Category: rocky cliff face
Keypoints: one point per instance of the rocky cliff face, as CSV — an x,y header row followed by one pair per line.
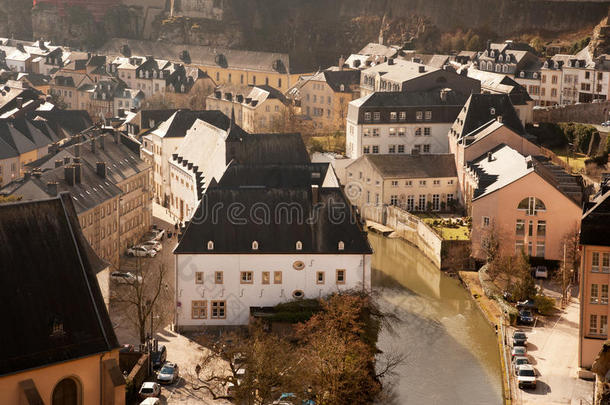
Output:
x,y
313,31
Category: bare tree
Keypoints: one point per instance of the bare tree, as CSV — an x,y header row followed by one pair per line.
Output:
x,y
143,296
570,262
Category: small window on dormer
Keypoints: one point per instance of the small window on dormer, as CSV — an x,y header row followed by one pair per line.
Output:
x,y
341,245
210,245
299,245
492,111
255,245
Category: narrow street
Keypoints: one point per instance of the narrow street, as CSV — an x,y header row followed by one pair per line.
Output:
x,y
553,351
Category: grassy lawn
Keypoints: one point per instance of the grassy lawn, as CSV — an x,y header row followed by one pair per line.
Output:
x,y
577,160
461,232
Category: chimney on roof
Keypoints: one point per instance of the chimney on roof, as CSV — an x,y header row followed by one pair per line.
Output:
x,y
59,163
499,118
52,188
315,194
422,69
19,102
391,61
490,156
341,62
101,138
529,161
37,173
26,176
92,142
100,169
77,173
69,175
77,149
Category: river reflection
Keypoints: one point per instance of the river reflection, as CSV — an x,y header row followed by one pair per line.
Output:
x,y
451,351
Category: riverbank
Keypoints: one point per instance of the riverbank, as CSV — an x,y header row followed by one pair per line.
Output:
x,y
493,313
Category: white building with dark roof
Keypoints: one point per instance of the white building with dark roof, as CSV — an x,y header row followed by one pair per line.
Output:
x,y
402,122
297,236
411,182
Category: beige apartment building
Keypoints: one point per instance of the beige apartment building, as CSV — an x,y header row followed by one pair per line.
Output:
x,y
256,109
594,276
108,183
324,97
411,182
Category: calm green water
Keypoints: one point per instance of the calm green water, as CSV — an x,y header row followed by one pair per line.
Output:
x,y
451,351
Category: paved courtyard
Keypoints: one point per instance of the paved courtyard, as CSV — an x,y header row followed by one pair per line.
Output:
x,y
553,350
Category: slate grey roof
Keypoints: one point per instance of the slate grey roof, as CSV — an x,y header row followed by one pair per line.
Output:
x,y
480,109
70,121
505,167
203,55
595,222
271,149
347,78
274,175
53,310
413,166
411,98
182,120
92,190
289,210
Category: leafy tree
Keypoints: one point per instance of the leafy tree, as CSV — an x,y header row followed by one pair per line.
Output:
x,y
475,43
538,45
58,101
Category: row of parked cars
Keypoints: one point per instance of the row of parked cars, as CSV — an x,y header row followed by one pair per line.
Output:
x,y
523,369
167,373
149,248
151,245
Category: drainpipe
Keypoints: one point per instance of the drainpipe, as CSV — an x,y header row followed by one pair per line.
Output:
x,y
101,379
175,290
581,292
363,272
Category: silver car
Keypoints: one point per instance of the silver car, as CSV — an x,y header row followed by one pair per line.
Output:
x,y
168,374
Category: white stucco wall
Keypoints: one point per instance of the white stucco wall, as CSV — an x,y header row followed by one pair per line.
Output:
x,y
240,297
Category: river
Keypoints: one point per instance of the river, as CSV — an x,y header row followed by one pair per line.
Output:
x,y
451,352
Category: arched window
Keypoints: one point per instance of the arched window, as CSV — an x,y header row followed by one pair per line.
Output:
x,y
505,69
341,245
521,74
210,245
299,245
66,392
535,75
498,68
490,66
255,245
531,205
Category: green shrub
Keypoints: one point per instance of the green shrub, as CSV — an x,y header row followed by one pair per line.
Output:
x,y
545,305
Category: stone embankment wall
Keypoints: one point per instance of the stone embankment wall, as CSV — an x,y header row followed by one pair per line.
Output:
x,y
409,227
589,113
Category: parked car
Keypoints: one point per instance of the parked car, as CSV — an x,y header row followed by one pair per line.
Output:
x,y
526,376
141,251
151,401
519,338
152,244
541,272
518,361
126,348
159,357
125,277
155,234
525,317
168,374
518,351
150,389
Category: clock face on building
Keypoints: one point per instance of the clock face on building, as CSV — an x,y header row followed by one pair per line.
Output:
x,y
298,265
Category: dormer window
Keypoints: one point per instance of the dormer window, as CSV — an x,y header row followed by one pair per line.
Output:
x,y
535,75
342,87
299,245
210,245
501,58
521,74
254,245
341,245
492,111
